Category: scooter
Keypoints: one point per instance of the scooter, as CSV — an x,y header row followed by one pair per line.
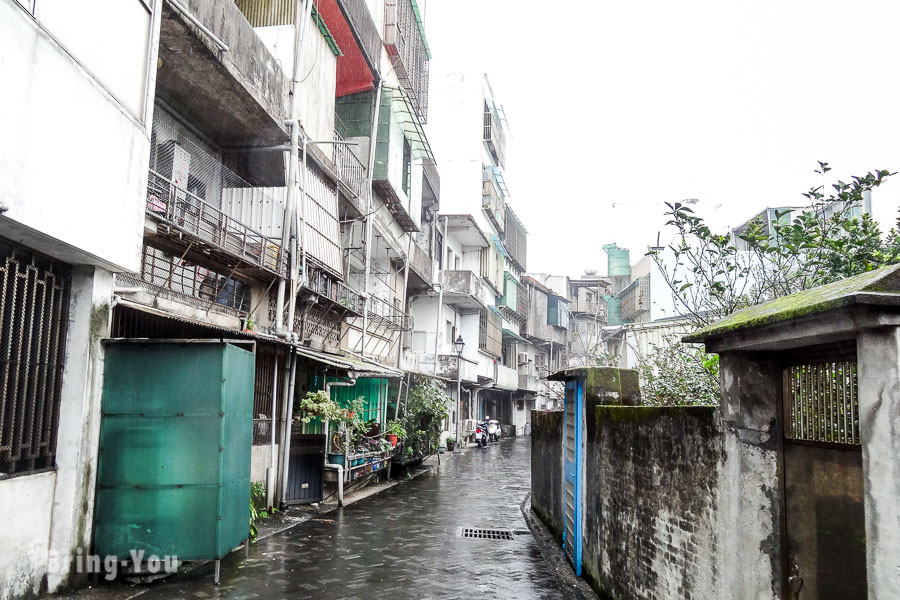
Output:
x,y
481,434
493,430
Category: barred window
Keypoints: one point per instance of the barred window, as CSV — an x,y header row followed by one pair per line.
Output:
x,y
34,299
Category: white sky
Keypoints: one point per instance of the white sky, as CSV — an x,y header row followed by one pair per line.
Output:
x,y
645,102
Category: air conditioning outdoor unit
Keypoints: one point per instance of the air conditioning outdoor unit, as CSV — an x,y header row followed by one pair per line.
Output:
x,y
523,358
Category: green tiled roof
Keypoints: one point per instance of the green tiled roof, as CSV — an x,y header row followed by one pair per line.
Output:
x,y
881,286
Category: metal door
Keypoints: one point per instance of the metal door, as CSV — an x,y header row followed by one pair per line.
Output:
x,y
572,456
304,483
824,510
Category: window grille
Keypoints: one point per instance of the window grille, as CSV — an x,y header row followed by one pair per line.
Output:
x,y
34,299
823,403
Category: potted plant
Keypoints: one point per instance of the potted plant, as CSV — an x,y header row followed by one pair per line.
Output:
x,y
451,441
393,431
319,404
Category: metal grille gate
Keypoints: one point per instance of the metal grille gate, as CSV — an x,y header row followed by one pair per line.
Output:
x,y
823,480
34,299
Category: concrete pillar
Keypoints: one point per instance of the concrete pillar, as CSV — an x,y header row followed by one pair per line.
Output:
x,y
79,424
878,355
750,486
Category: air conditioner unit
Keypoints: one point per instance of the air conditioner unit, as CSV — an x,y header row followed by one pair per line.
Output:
x,y
523,358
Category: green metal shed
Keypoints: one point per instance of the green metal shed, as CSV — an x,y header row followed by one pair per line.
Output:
x,y
173,476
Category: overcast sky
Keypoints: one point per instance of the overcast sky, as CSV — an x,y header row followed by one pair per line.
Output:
x,y
617,107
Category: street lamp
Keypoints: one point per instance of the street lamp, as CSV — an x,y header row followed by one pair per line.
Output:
x,y
458,346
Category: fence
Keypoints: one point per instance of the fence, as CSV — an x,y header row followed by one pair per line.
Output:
x,y
823,403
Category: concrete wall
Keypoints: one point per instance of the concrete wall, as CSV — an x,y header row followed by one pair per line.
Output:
x,y
73,159
650,527
25,523
547,469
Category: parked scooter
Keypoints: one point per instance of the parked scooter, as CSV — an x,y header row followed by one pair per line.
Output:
x,y
481,434
493,430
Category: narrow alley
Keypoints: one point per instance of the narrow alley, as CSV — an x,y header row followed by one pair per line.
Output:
x,y
402,543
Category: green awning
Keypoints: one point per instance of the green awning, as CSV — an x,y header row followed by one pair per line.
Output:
x,y
409,123
512,334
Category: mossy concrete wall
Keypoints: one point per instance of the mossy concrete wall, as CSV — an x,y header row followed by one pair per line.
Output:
x,y
651,501
547,468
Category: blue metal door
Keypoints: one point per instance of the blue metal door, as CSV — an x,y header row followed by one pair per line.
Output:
x,y
572,457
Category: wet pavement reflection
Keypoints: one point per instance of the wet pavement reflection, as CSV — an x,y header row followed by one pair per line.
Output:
x,y
402,543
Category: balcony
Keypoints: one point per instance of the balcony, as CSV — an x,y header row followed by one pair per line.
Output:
x,y
529,383
452,367
384,315
237,97
351,171
635,299
189,227
592,308
333,293
463,290
493,194
404,40
514,301
494,136
506,378
166,276
422,266
515,240
490,332
431,184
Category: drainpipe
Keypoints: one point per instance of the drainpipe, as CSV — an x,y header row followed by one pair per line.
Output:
x,y
286,426
270,472
370,213
301,21
440,306
405,294
330,466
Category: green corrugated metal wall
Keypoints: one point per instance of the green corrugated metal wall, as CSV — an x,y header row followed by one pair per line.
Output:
x,y
173,475
373,391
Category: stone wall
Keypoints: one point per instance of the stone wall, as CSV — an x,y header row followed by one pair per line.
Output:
x,y
547,468
651,479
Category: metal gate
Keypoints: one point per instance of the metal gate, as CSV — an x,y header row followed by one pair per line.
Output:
x,y
572,457
824,510
304,480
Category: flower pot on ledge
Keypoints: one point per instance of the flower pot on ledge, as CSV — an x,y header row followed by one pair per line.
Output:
x,y
392,439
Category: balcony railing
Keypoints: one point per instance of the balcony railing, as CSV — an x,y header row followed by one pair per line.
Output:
x,y
492,198
529,383
351,170
386,315
494,136
463,289
328,287
635,299
421,264
515,240
593,307
514,302
190,214
405,44
451,367
170,277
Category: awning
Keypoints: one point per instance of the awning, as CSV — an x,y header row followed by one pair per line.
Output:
x,y
365,368
496,239
512,334
409,123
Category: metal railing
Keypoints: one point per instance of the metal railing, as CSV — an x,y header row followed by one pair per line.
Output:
x,y
171,277
385,314
494,136
190,214
823,403
326,285
593,308
350,168
34,300
406,47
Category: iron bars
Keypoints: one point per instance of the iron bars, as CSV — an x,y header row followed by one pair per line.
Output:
x,y
34,299
823,402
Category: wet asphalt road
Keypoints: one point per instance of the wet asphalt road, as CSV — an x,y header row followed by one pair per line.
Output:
x,y
402,543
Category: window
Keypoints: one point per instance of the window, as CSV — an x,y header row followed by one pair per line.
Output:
x,y
407,167
32,351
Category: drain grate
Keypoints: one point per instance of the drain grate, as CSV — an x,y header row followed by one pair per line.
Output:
x,y
486,534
